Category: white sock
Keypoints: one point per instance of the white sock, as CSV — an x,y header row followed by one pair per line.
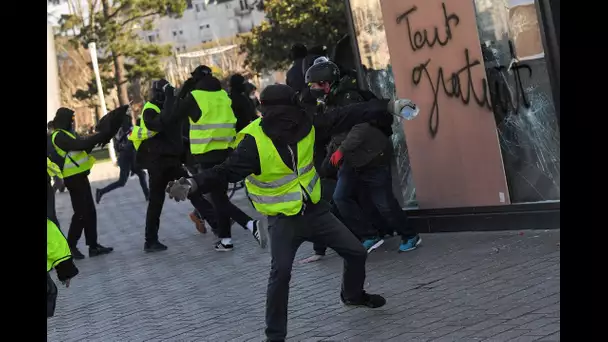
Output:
x,y
250,225
227,241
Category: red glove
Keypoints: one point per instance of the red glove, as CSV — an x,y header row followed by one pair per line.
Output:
x,y
336,158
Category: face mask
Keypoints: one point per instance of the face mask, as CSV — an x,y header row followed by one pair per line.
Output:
x,y
317,93
252,96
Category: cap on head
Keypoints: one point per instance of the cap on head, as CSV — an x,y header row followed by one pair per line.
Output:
x,y
201,71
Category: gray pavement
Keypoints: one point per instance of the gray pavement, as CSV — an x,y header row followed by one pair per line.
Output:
x,y
500,286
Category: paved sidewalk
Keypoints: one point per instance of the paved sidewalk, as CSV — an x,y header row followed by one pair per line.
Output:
x,y
502,286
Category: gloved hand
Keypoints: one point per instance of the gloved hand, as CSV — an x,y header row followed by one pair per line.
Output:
x,y
395,106
181,188
336,157
187,87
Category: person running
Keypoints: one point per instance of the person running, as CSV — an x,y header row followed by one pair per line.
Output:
x,y
126,162
275,157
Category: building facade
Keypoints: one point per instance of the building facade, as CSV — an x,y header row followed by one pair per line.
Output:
x,y
485,74
203,21
52,77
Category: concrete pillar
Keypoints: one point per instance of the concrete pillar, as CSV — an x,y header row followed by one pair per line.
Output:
x,y
52,76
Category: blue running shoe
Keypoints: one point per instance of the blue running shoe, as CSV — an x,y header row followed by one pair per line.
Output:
x,y
410,244
371,244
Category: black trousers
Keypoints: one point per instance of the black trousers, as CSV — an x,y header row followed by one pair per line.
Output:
x,y
127,165
223,210
160,175
51,214
85,215
287,233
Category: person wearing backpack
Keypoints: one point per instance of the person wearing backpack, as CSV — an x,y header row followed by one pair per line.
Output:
x,y
126,162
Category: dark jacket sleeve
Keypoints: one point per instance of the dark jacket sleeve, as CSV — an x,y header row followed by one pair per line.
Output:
x,y
152,120
355,137
243,110
184,108
342,119
66,270
242,162
66,143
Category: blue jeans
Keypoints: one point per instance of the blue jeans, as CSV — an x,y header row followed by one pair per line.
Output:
x,y
376,181
126,163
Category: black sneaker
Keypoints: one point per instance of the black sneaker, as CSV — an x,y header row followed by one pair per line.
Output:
x,y
99,250
260,232
150,247
366,299
98,195
76,254
220,247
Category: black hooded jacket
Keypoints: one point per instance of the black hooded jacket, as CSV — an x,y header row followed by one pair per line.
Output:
x,y
63,121
167,145
242,106
286,126
186,107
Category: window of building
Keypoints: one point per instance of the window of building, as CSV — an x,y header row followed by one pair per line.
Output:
x,y
174,33
244,5
189,3
151,38
181,32
197,7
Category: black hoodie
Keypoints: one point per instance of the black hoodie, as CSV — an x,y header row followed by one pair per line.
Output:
x,y
242,106
286,126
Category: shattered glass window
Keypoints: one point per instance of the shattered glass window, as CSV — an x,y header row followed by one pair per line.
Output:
x,y
521,97
375,58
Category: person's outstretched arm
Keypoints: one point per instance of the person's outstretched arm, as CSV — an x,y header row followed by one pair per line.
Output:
x,y
242,162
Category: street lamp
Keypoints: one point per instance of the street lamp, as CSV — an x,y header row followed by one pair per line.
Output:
x,y
102,102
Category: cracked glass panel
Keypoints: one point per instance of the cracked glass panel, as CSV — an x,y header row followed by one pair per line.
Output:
x,y
375,58
521,98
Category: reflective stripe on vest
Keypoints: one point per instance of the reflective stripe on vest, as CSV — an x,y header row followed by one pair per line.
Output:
x,y
75,162
53,169
141,133
215,129
278,189
57,249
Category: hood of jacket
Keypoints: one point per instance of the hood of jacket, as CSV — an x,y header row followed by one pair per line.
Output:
x,y
64,118
208,83
237,84
285,124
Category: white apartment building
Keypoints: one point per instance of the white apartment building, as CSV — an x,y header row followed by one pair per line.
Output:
x,y
203,21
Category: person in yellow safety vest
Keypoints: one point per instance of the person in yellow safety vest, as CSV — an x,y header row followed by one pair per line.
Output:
x,y
161,153
275,157
58,257
140,132
57,181
52,170
212,134
77,163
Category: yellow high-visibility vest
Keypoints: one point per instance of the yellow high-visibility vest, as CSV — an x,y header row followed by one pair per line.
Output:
x,y
53,169
141,133
75,162
279,189
215,129
57,249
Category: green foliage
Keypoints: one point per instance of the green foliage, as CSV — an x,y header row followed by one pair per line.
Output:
x,y
114,27
310,22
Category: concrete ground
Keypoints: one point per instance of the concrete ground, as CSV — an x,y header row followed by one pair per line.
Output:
x,y
498,286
